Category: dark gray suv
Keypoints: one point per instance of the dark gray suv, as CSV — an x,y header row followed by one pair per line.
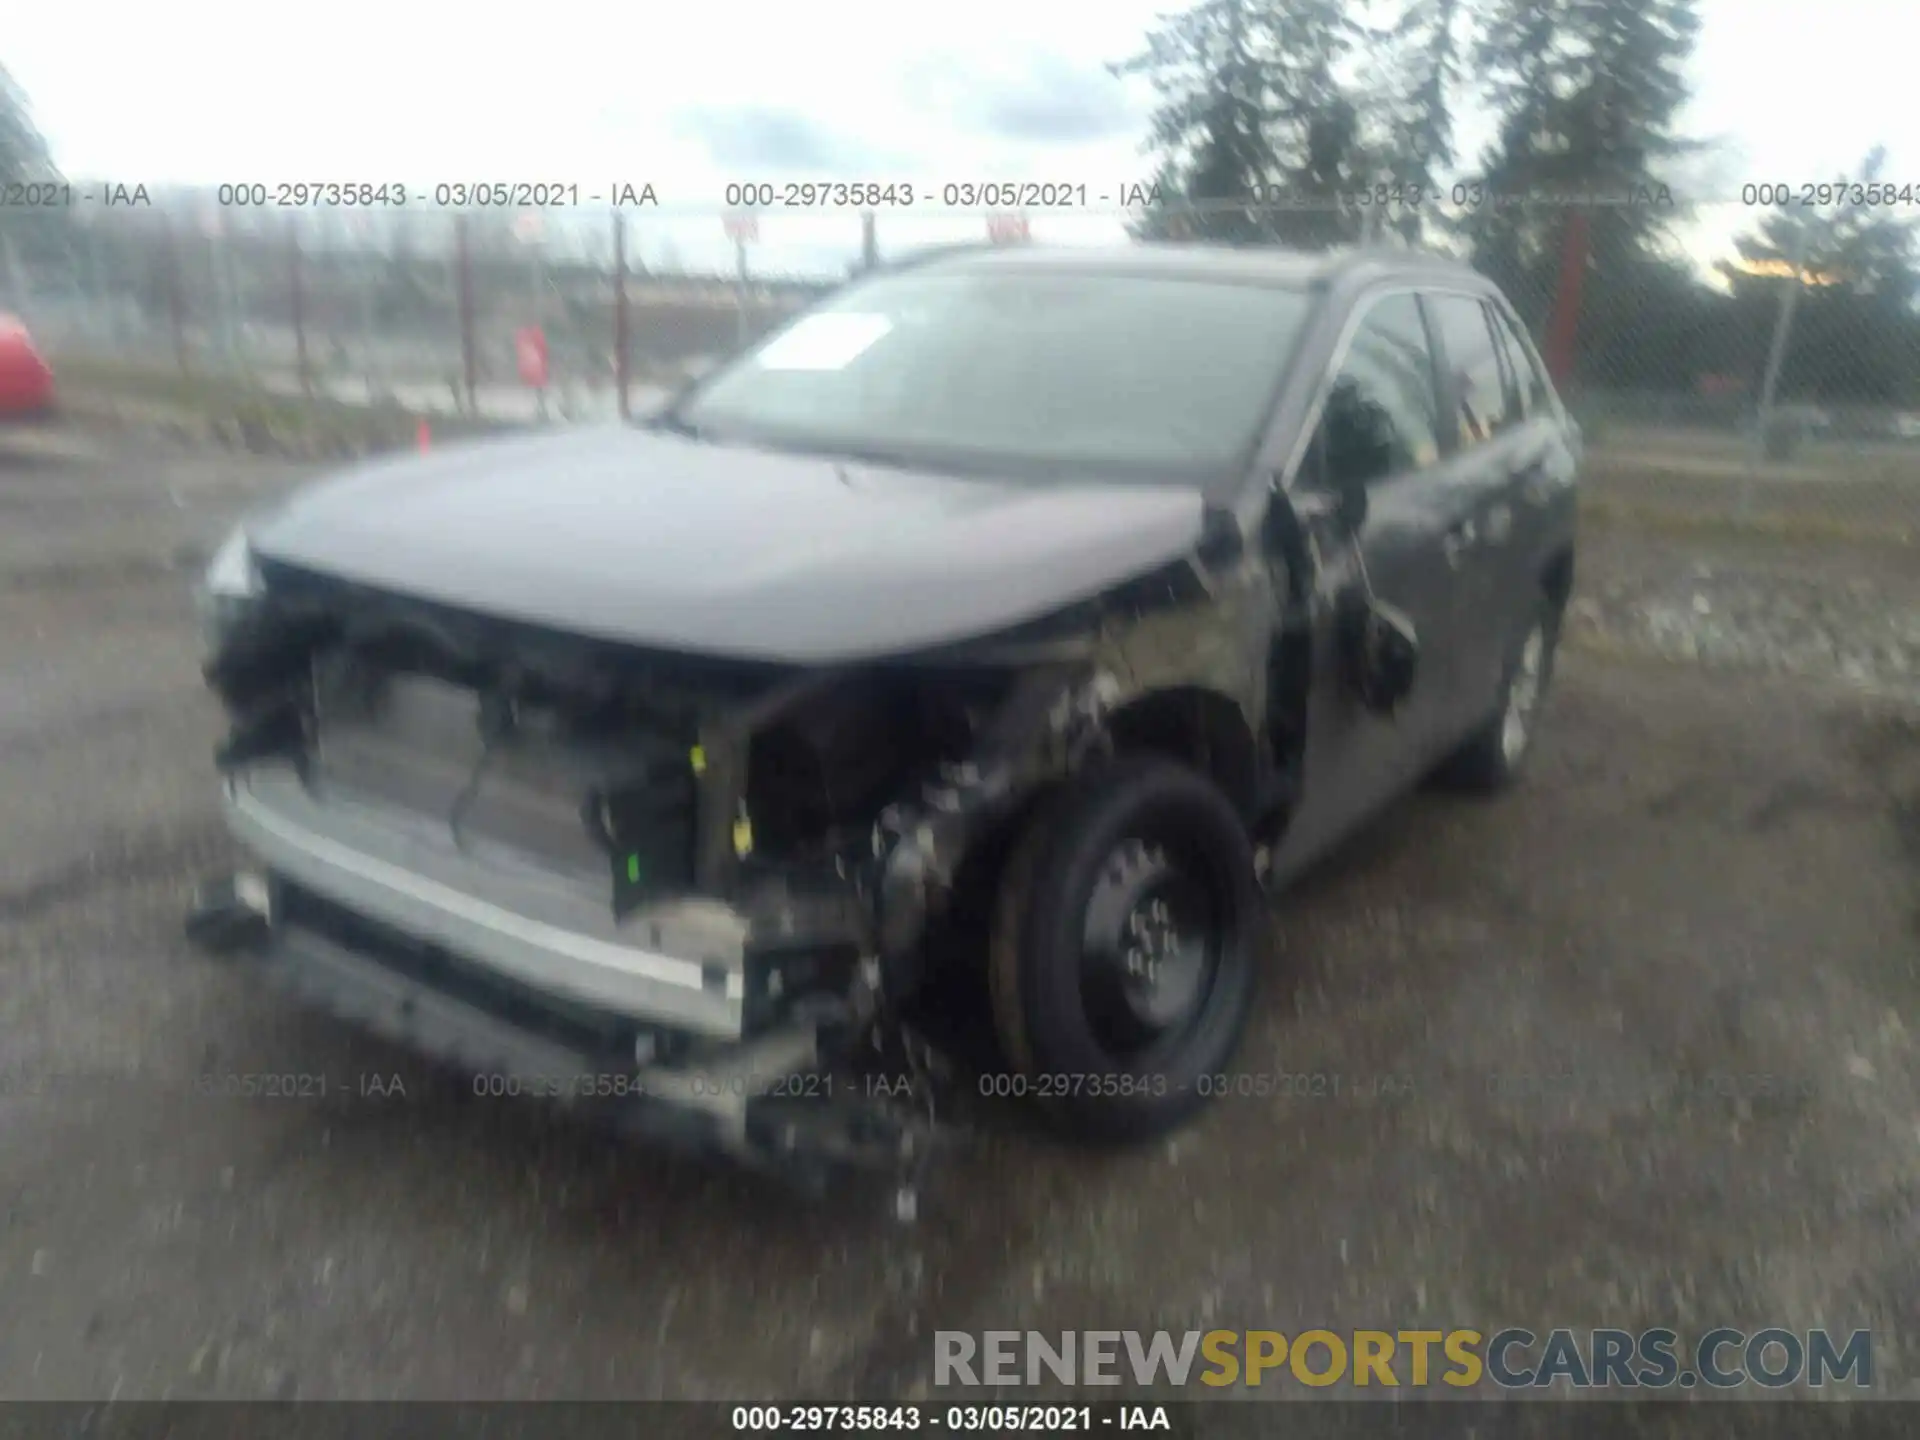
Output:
x,y
1006,621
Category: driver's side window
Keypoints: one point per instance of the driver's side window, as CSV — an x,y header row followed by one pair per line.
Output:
x,y
1382,419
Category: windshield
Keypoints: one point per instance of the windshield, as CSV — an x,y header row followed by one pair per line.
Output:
x,y
1018,373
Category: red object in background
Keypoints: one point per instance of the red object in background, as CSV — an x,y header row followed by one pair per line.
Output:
x,y
1008,229
26,381
530,352
1565,324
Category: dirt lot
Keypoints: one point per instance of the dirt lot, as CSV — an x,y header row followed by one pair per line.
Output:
x,y
1695,929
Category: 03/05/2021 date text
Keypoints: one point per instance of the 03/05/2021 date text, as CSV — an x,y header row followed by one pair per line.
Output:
x,y
622,1085
903,194
1241,1084
452,195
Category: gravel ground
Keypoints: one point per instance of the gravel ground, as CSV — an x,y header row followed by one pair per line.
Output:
x,y
1814,609
1631,1046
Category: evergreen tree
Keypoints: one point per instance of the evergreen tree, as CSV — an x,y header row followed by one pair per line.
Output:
x,y
1250,104
23,151
1860,248
32,236
1424,48
1520,52
1587,93
1209,67
1335,162
1320,131
1855,335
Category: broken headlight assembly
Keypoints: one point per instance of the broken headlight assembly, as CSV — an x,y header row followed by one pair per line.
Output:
x,y
228,592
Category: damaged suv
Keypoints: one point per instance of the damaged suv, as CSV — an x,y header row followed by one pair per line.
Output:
x,y
1079,594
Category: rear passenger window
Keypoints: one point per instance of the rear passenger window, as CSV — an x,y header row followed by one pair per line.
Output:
x,y
1532,382
1487,406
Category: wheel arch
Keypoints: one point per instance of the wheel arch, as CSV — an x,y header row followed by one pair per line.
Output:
x,y
1200,727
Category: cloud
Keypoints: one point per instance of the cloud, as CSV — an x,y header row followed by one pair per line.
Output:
x,y
1059,103
759,140
1045,100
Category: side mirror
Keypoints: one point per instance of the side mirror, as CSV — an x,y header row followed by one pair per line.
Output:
x,y
1355,438
1323,473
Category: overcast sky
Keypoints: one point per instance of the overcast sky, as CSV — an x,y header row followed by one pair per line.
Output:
x,y
690,96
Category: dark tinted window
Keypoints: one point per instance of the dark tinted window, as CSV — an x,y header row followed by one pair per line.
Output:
x,y
1516,399
1480,378
1382,418
1532,383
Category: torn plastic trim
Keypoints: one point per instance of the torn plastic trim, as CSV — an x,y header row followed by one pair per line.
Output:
x,y
1041,733
726,736
717,1098
1212,632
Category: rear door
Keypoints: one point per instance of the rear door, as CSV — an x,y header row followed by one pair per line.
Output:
x,y
1545,466
1486,424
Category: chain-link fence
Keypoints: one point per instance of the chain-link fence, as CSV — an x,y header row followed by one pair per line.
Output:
x,y
481,314
1729,386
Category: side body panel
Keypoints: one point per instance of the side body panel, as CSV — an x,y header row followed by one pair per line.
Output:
x,y
1426,550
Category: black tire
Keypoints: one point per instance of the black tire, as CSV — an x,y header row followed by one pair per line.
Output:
x,y
1067,1011
1490,761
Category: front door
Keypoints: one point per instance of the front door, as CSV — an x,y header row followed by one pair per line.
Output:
x,y
1357,759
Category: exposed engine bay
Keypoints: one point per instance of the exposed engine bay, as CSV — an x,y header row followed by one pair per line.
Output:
x,y
752,855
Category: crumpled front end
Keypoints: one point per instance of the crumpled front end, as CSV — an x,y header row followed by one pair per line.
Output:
x,y
679,890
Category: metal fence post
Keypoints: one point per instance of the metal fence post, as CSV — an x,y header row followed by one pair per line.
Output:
x,y
176,302
373,367
740,263
620,315
463,261
297,294
234,323
1776,361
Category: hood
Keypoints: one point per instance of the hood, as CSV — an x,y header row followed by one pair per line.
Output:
x,y
660,541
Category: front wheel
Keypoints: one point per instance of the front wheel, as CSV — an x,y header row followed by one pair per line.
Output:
x,y
1126,942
